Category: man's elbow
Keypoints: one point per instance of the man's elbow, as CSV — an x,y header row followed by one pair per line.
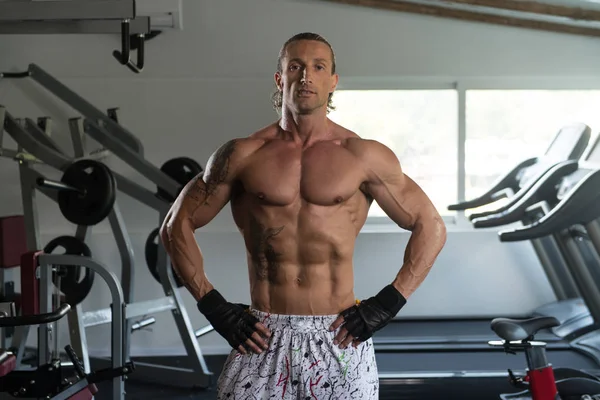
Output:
x,y
434,227
438,228
165,229
172,223
443,233
176,224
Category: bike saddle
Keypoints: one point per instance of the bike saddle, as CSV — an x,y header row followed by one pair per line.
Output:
x,y
521,329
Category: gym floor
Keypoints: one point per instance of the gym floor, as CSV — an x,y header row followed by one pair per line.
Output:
x,y
407,389
476,390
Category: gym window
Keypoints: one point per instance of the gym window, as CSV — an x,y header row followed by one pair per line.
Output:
x,y
420,126
456,139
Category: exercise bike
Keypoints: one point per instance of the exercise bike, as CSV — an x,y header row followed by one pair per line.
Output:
x,y
52,380
542,381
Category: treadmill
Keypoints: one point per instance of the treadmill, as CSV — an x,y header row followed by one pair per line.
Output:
x,y
569,143
424,349
559,160
559,252
577,210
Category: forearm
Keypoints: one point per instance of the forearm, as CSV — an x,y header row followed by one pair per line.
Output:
x,y
425,243
186,257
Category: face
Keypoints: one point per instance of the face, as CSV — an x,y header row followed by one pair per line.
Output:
x,y
306,79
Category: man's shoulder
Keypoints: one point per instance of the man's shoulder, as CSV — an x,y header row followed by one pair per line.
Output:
x,y
243,146
367,149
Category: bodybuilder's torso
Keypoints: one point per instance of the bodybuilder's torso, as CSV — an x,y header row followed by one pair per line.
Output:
x,y
299,210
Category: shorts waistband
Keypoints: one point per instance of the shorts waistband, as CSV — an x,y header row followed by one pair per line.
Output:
x,y
299,323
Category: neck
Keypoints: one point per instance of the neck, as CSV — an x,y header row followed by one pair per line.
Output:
x,y
305,128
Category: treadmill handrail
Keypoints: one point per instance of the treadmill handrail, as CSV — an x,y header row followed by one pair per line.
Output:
x,y
537,192
508,181
35,319
522,192
579,206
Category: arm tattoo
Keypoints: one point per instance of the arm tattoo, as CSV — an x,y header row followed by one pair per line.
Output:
x,y
264,256
200,191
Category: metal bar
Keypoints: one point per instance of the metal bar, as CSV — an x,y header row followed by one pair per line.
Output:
x,y
462,139
13,10
38,134
78,337
593,230
77,136
140,193
137,26
467,15
126,252
117,309
71,391
29,143
585,281
77,332
165,375
111,128
45,331
28,197
555,267
203,331
135,161
117,225
133,310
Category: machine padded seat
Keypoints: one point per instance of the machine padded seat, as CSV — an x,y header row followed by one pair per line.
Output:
x,y
520,329
8,362
13,240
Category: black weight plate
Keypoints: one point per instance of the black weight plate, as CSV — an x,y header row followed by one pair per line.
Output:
x,y
75,291
151,253
182,170
98,184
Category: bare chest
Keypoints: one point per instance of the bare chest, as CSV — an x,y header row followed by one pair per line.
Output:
x,y
322,175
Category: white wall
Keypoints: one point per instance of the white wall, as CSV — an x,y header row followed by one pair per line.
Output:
x,y
211,82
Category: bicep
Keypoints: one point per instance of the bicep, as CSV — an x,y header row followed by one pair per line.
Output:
x,y
400,197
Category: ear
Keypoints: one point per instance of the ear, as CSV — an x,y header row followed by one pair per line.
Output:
x,y
277,78
334,82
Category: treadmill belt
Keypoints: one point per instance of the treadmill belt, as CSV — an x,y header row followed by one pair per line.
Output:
x,y
469,363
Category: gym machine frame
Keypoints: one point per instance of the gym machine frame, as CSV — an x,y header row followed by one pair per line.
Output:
x,y
117,140
90,16
46,262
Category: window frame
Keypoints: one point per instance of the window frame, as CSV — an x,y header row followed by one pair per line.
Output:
x,y
458,222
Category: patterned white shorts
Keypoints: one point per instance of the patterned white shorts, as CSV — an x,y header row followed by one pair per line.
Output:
x,y
301,363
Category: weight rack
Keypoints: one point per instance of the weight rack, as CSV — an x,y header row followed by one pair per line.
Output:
x,y
36,146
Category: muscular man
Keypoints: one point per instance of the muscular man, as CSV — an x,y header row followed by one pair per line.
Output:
x,y
300,190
